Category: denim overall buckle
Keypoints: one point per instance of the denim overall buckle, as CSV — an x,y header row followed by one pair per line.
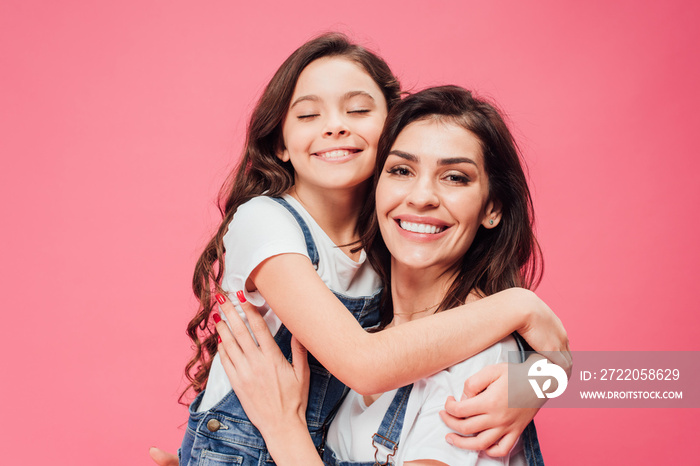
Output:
x,y
384,441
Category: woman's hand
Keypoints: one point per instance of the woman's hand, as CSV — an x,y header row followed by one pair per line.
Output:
x,y
482,417
543,330
272,391
163,458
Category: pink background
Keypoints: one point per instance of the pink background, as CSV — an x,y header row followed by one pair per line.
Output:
x,y
119,122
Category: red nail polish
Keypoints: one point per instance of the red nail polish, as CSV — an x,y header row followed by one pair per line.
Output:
x,y
216,317
219,338
241,296
220,298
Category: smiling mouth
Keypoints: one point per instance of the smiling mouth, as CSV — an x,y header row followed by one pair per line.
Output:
x,y
421,227
336,153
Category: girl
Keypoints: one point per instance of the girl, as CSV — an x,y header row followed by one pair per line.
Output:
x,y
454,212
287,236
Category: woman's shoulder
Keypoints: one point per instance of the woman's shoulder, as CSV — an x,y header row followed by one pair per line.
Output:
x,y
452,378
428,399
494,354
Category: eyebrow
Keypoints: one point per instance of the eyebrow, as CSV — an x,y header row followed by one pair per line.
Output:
x,y
351,94
304,98
315,98
404,155
456,160
446,161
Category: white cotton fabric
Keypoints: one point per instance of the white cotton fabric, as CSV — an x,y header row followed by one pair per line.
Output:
x,y
423,434
262,228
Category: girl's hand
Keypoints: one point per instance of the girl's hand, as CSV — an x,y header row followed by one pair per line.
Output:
x,y
482,417
272,391
163,458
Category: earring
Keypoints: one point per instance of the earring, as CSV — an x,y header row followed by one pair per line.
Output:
x,y
491,222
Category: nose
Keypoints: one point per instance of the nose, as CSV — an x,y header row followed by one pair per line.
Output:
x,y
423,194
335,126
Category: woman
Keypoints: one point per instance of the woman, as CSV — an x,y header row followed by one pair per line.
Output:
x,y
455,216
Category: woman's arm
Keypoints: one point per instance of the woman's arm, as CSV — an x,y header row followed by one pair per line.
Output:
x,y
482,418
273,393
318,319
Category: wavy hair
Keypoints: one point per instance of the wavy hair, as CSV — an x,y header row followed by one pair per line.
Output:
x,y
260,171
505,256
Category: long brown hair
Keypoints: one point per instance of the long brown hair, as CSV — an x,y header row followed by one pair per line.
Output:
x,y
505,256
260,171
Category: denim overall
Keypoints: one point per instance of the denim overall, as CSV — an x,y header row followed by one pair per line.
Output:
x,y
223,435
386,440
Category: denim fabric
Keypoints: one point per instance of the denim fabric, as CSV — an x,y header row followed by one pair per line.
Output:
x,y
531,444
223,435
386,439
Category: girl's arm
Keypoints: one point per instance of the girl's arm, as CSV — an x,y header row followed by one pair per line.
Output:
x,y
319,320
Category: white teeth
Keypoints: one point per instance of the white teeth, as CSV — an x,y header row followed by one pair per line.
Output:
x,y
334,154
420,227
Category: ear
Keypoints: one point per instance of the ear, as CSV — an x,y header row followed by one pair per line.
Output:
x,y
283,155
492,215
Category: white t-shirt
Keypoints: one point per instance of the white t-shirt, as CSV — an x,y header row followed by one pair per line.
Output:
x,y
262,228
423,434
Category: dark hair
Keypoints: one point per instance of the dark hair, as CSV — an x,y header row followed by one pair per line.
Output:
x,y
505,256
260,171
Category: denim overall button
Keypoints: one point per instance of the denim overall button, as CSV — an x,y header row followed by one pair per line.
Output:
x,y
213,425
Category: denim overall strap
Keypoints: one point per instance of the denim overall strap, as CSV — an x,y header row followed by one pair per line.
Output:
x,y
310,244
531,444
389,431
326,392
387,436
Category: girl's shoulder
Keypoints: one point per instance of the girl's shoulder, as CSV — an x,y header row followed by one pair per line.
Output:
x,y
262,220
261,228
262,202
263,212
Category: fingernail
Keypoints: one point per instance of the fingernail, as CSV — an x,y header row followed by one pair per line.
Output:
x,y
218,337
220,298
216,317
449,440
241,296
